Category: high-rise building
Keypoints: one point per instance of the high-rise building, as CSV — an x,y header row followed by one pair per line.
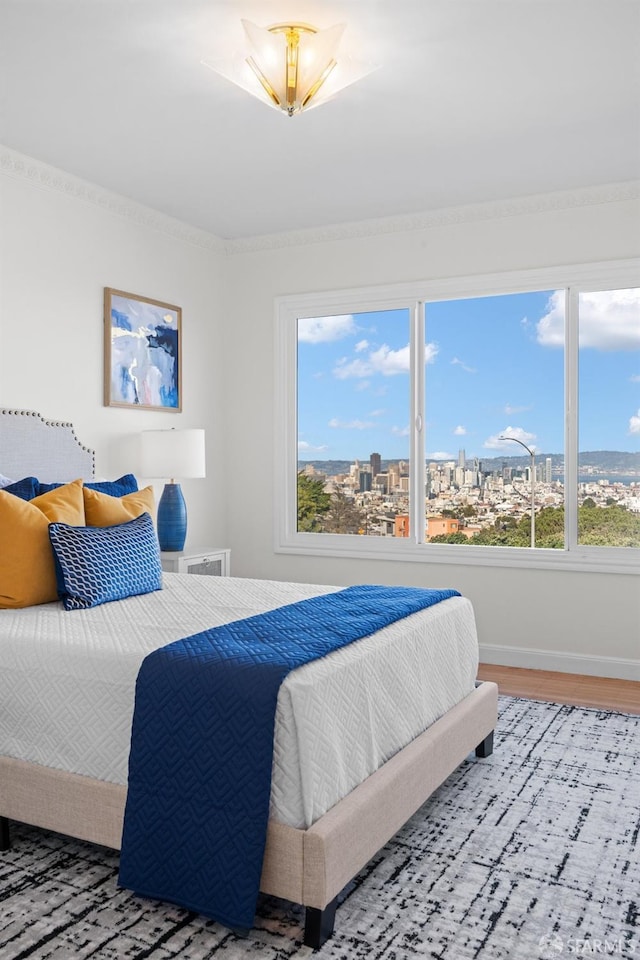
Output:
x,y
376,462
381,484
365,482
547,470
462,458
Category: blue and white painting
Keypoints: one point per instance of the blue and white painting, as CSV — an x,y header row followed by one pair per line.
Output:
x,y
143,352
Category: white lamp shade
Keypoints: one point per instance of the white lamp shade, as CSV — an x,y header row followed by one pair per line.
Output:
x,y
172,453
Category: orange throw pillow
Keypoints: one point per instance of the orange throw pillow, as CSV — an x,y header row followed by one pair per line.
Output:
x,y
103,510
27,571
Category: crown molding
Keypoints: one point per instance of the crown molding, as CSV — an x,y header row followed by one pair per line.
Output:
x,y
21,167
444,216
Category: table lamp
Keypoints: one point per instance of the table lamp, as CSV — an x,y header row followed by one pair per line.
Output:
x,y
171,454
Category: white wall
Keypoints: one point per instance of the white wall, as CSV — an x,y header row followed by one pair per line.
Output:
x,y
57,253
555,620
62,242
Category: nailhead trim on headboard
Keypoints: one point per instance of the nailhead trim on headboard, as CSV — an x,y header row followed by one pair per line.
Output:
x,y
51,423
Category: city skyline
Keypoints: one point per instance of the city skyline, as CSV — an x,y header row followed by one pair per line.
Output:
x,y
494,366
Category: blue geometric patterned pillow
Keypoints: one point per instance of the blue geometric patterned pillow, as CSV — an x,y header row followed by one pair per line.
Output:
x,y
95,565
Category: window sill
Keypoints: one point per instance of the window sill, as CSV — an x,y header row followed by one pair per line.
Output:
x,y
591,560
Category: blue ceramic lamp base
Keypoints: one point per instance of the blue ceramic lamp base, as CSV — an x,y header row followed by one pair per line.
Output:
x,y
172,518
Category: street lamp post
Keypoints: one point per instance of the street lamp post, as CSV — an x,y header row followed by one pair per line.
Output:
x,y
533,485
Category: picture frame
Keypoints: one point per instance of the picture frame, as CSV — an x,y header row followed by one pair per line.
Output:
x,y
142,352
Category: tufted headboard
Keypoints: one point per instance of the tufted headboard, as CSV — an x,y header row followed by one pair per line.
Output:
x,y
46,449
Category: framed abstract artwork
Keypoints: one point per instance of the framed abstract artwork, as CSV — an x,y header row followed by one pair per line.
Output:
x,y
142,352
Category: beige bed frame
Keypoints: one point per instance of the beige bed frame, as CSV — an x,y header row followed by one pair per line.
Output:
x,y
309,867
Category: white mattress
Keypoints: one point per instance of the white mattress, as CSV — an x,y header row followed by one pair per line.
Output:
x,y
67,685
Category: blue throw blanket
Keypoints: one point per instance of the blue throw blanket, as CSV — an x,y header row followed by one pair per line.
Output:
x,y
202,745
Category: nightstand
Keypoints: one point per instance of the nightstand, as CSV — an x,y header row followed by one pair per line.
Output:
x,y
211,563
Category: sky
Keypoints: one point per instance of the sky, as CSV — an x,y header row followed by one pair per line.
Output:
x,y
494,367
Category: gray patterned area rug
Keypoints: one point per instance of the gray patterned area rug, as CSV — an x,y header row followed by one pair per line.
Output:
x,y
531,854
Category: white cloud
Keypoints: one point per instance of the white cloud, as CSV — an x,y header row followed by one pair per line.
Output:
x,y
516,433
305,447
400,431
440,455
361,345
430,352
350,424
460,363
354,368
635,378
325,329
608,320
388,362
460,431
509,410
383,360
377,413
634,423
550,328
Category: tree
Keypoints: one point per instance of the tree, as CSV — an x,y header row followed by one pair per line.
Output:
x,y
493,537
449,538
343,516
505,522
550,528
612,526
313,503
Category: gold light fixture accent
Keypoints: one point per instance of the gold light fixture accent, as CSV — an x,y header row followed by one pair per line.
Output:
x,y
299,85
291,66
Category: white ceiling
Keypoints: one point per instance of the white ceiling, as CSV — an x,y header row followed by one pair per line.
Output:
x,y
472,101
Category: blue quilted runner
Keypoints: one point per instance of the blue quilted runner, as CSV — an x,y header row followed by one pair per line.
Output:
x,y
202,745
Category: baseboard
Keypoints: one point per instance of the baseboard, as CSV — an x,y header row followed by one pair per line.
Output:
x,y
532,659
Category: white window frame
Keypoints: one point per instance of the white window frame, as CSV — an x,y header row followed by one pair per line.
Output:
x,y
412,296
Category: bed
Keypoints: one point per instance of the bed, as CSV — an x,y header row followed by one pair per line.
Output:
x,y
339,812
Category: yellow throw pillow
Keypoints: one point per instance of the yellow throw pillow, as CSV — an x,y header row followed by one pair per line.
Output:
x,y
103,510
27,571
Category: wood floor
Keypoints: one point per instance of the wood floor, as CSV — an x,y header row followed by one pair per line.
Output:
x,y
582,691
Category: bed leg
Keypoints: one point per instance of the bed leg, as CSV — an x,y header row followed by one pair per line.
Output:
x,y
318,924
485,749
5,842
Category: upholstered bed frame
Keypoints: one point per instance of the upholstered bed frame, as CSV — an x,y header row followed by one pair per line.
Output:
x,y
309,867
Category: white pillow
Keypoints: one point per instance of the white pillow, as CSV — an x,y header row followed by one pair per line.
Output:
x,y
5,481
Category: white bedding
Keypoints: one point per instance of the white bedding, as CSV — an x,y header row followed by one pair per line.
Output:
x,y
67,684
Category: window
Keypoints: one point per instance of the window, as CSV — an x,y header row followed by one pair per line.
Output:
x,y
494,414
353,401
609,418
482,420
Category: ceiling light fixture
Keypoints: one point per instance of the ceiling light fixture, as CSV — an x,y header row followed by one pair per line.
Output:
x,y
291,66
